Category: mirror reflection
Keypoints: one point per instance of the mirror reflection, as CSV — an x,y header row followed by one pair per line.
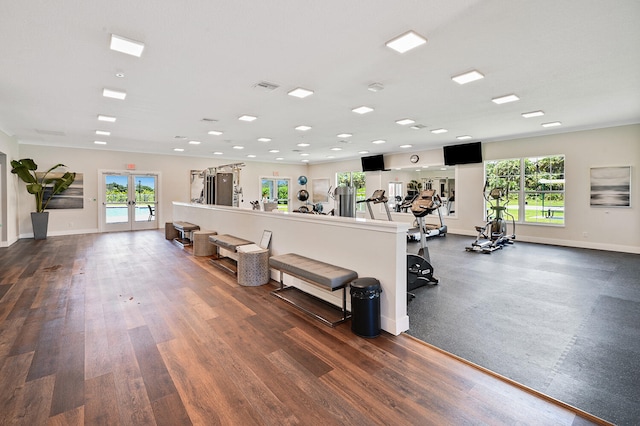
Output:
x,y
405,184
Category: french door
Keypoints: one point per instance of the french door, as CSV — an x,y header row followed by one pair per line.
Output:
x,y
129,201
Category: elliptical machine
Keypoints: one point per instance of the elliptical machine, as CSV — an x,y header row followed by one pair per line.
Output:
x,y
419,269
493,235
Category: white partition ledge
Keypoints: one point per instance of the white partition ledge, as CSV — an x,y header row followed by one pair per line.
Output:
x,y
372,248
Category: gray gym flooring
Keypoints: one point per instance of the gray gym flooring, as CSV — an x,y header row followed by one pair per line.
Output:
x,y
563,321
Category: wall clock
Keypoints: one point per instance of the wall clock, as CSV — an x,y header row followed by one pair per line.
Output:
x,y
414,158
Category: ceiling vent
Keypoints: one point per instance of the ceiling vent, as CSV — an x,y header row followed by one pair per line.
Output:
x,y
266,86
209,120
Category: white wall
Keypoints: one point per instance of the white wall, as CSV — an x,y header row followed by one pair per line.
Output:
x,y
610,229
8,191
174,173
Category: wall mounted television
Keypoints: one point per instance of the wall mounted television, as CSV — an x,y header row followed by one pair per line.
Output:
x,y
467,153
372,163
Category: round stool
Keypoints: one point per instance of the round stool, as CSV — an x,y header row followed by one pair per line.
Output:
x,y
253,266
201,244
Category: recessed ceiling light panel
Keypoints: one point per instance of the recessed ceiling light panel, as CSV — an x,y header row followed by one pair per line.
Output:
x,y
532,114
438,131
375,87
463,137
303,128
468,77
405,42
126,45
178,149
248,118
99,142
103,133
107,118
505,99
115,94
194,142
552,124
405,146
299,92
264,139
379,141
344,135
362,110
303,144
214,132
405,121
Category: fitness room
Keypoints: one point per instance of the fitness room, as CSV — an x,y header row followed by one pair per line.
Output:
x,y
347,252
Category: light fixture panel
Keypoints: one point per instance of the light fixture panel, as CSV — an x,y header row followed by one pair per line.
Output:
x,y
248,118
126,45
505,99
301,93
114,94
405,42
532,114
107,118
405,121
468,77
362,110
214,132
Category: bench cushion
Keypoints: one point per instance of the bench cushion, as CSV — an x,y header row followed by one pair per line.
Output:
x,y
185,226
320,273
228,242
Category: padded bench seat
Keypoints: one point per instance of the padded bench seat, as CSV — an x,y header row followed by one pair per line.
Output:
x,y
229,243
185,228
321,274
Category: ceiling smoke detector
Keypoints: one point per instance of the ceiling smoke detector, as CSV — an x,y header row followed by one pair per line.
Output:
x,y
266,86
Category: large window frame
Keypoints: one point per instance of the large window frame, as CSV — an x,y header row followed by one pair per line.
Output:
x,y
536,187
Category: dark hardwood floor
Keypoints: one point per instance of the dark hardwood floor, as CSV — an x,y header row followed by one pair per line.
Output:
x,y
127,328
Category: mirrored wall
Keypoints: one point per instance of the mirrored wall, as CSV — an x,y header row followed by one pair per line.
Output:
x,y
404,184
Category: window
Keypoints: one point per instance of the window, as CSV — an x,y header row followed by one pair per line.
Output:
x,y
276,190
357,180
395,195
535,187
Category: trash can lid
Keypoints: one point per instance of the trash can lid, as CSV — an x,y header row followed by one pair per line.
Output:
x,y
366,283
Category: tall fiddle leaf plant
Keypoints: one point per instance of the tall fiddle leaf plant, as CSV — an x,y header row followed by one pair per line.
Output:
x,y
26,170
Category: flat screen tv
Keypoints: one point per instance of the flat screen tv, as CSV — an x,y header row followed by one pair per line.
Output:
x,y
372,163
467,153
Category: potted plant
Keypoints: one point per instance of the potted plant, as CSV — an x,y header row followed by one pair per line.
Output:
x,y
45,185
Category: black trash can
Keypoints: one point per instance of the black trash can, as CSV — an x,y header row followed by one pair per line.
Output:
x,y
365,307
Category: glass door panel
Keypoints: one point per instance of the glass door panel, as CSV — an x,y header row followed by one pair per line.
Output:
x,y
129,202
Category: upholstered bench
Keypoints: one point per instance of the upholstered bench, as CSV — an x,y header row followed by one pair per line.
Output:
x,y
230,244
321,274
185,229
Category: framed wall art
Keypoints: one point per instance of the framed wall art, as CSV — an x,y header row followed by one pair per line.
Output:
x,y
610,186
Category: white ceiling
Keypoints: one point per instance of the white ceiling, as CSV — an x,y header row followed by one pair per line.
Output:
x,y
577,60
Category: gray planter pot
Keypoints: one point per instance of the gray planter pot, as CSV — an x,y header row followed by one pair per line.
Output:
x,y
40,222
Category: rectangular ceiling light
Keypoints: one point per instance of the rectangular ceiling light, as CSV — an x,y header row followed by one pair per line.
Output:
x,y
344,135
194,142
532,114
438,131
99,142
215,132
405,121
505,99
379,141
467,77
552,124
115,94
247,118
264,139
103,133
106,118
303,128
300,92
362,110
126,45
405,42
463,137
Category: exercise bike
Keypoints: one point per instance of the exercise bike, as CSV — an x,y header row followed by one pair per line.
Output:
x,y
419,269
493,235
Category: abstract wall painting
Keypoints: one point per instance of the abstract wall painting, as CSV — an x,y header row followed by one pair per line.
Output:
x,y
611,186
